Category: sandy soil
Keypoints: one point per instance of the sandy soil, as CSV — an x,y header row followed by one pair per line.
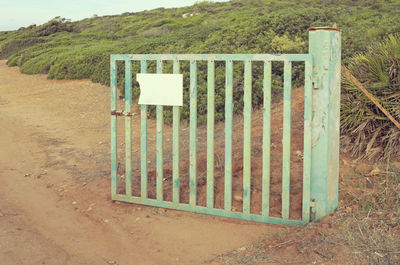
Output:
x,y
55,206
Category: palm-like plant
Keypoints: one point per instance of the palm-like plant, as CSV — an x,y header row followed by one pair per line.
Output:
x,y
366,131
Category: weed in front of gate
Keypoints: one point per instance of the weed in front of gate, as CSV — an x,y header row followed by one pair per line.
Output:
x,y
367,226
369,222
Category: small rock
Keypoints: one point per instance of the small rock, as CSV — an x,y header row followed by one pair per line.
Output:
x,y
42,174
137,219
327,219
27,175
74,202
139,209
241,249
1,214
237,198
106,221
89,209
325,226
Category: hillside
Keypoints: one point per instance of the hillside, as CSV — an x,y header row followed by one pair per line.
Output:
x,y
77,50
65,49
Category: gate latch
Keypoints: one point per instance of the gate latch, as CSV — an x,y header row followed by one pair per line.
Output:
x,y
121,113
312,209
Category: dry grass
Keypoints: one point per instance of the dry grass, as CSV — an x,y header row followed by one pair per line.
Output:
x,y
365,230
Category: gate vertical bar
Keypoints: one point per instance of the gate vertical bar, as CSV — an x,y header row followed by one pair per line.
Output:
x,y
176,118
113,79
287,108
128,128
247,138
266,173
193,134
307,141
325,48
160,140
210,132
228,134
143,140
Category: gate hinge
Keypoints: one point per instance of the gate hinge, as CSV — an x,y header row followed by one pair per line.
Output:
x,y
121,113
313,207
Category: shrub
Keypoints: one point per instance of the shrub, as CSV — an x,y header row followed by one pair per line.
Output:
x,y
366,131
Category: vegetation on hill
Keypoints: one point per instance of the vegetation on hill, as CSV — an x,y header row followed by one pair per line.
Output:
x,y
73,50
366,131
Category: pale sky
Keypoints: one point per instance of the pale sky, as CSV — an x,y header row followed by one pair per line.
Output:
x,y
22,13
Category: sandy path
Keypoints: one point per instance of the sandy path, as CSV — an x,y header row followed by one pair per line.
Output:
x,y
55,206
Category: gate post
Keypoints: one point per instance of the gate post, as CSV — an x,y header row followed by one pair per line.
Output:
x,y
325,48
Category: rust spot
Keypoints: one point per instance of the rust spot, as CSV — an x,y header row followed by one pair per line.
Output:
x,y
116,113
120,113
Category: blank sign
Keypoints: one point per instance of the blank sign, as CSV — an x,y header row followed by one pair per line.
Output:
x,y
161,89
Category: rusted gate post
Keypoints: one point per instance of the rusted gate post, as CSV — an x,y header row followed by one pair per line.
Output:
x,y
325,48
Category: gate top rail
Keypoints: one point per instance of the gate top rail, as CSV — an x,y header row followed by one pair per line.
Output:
x,y
214,57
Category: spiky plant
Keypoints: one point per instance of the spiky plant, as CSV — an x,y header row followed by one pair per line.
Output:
x,y
366,131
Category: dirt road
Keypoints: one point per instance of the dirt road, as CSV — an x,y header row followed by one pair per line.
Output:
x,y
55,206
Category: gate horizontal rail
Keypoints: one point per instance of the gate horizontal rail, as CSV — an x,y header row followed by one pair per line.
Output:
x,y
213,57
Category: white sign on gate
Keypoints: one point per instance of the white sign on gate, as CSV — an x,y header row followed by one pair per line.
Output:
x,y
161,89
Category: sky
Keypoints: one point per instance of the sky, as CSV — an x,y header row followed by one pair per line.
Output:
x,y
22,13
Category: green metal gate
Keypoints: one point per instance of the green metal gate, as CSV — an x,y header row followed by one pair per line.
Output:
x,y
321,137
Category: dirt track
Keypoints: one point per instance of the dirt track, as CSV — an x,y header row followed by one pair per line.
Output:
x,y
55,206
